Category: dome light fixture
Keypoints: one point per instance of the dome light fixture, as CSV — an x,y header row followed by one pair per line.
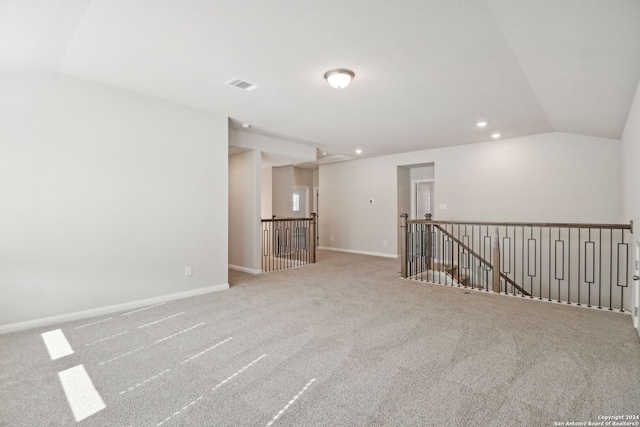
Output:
x,y
339,78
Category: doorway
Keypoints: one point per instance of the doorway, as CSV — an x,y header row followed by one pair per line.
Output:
x,y
422,198
300,202
316,205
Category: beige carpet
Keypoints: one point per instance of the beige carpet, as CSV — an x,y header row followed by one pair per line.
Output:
x,y
344,342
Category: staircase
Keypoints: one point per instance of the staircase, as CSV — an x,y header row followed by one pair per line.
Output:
x,y
581,264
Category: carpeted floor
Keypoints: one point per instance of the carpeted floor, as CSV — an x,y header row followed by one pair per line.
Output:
x,y
344,342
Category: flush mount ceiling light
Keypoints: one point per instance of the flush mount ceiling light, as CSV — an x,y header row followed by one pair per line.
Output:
x,y
339,77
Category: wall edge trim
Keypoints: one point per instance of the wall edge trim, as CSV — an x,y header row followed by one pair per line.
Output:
x,y
244,269
78,315
354,251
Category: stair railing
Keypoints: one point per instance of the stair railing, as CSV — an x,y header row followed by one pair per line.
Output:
x,y
583,264
288,242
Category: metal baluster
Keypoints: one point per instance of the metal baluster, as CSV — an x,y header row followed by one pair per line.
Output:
x,y
549,268
472,264
458,245
611,267
562,275
522,273
540,278
600,271
593,274
515,254
626,277
569,271
579,261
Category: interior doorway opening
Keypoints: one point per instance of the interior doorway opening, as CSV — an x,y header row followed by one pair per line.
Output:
x,y
300,202
416,191
422,198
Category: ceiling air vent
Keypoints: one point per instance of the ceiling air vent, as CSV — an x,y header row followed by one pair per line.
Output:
x,y
242,84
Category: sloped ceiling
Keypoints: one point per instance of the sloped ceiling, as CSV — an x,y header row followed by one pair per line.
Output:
x,y
426,70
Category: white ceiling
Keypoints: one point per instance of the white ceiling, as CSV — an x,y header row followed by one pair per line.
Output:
x,y
426,70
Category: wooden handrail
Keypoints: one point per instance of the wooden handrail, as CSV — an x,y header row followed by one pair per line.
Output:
x,y
528,224
287,219
484,261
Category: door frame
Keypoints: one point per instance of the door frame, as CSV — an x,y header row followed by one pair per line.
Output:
x,y
636,286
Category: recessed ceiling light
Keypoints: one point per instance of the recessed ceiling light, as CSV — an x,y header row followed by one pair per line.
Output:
x,y
358,150
246,125
495,135
339,78
324,153
481,124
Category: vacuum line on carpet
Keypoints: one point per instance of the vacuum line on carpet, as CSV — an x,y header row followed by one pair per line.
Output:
x,y
145,381
239,372
193,402
290,403
166,370
94,323
161,320
122,355
142,309
107,338
160,340
204,351
178,333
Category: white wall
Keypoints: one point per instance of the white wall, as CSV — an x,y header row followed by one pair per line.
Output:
x,y
282,190
274,152
106,197
555,177
294,152
266,198
303,177
422,172
404,196
244,211
631,181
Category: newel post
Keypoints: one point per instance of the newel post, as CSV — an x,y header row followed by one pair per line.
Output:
x,y
404,232
496,262
312,237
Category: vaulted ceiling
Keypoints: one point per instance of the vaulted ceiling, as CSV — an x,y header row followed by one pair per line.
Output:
x,y
426,70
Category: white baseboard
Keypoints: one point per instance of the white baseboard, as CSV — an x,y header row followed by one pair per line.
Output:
x,y
353,251
244,269
70,317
